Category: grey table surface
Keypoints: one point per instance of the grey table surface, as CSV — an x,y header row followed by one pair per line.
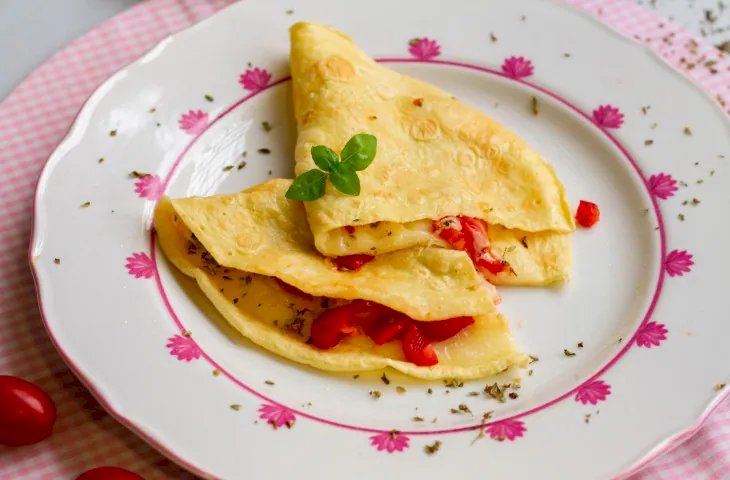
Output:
x,y
33,30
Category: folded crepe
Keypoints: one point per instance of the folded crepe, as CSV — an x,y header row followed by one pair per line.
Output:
x,y
438,160
252,255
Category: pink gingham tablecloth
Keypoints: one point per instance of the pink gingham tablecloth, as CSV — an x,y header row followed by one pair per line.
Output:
x,y
34,119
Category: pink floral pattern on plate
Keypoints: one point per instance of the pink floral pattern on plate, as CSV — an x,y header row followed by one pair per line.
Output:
x,y
678,262
149,187
255,79
392,441
593,392
193,122
277,415
506,430
662,185
651,335
140,265
608,116
517,67
424,48
183,347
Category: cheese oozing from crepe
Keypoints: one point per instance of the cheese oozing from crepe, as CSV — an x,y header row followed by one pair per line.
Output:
x,y
436,158
236,246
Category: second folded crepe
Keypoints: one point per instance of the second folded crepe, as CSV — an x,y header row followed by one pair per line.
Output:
x,y
440,165
251,254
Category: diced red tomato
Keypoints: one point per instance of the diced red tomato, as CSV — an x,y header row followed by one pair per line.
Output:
x,y
417,348
449,229
444,329
475,235
383,324
349,229
293,290
389,328
331,327
352,262
365,313
491,264
587,214
470,235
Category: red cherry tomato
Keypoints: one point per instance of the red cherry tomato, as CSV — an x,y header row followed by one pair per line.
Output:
x,y
331,327
108,473
352,262
587,214
27,413
417,348
444,329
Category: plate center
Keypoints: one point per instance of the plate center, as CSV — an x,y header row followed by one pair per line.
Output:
x,y
615,271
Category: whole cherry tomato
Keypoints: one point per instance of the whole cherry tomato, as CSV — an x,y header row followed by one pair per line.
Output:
x,y
108,473
27,413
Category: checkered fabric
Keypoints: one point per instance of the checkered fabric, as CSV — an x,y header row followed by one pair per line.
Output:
x,y
36,116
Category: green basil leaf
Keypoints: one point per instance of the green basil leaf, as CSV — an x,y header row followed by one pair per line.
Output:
x,y
324,157
307,186
359,152
345,179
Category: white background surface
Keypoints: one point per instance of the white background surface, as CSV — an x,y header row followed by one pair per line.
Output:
x,y
33,30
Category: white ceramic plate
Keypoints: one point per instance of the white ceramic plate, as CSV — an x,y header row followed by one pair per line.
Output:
x,y
648,298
